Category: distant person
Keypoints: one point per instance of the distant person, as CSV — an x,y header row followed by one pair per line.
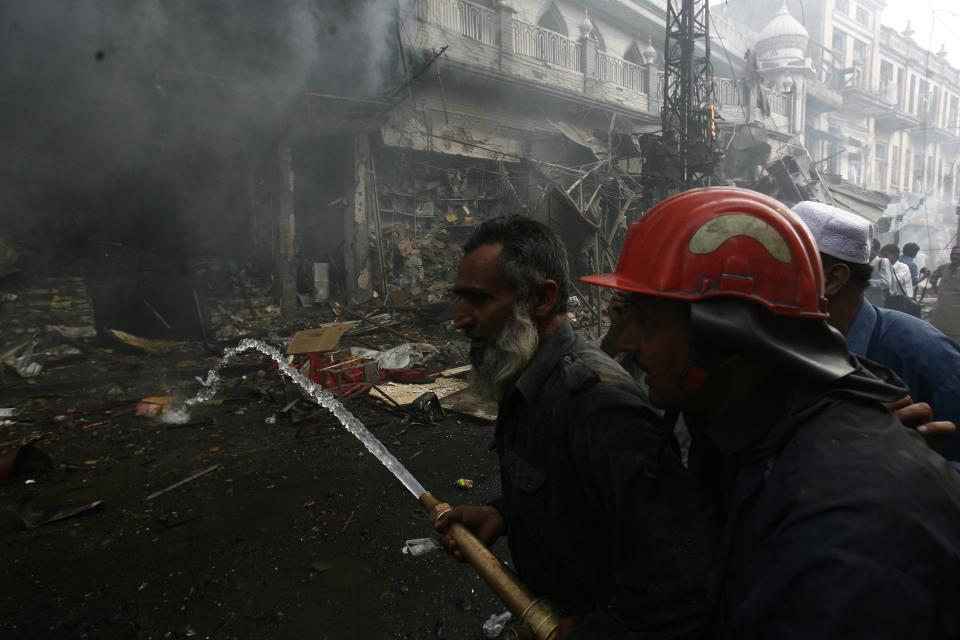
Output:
x,y
926,360
946,315
880,276
909,258
901,281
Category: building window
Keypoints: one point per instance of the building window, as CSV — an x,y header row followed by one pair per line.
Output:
x,y
843,6
913,94
839,47
922,97
863,16
895,166
887,88
918,173
859,52
900,89
859,63
853,168
933,108
881,155
886,70
952,116
930,174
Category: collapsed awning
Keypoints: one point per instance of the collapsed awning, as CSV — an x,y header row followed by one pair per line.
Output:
x,y
453,135
863,202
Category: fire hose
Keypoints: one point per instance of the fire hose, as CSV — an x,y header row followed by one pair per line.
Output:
x,y
536,617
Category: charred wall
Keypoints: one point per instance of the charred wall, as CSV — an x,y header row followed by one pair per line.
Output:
x,y
141,136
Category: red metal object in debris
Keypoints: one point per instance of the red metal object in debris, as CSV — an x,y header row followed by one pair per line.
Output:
x,y
343,379
351,375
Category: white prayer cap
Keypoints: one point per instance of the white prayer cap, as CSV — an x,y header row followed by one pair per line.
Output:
x,y
838,233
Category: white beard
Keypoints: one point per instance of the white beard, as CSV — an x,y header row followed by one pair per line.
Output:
x,y
497,367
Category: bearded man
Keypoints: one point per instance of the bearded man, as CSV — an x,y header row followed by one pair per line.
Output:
x,y
591,482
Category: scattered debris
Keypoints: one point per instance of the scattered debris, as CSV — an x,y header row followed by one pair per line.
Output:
x,y
153,406
428,406
319,340
24,358
346,524
320,566
468,403
455,371
146,345
342,376
419,546
406,394
463,483
33,519
399,357
495,624
48,303
180,483
23,459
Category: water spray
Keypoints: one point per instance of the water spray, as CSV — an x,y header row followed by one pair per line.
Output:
x,y
537,619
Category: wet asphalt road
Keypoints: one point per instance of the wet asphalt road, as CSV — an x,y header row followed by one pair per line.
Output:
x,y
296,535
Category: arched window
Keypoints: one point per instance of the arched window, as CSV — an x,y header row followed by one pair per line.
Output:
x,y
550,46
634,54
601,45
553,20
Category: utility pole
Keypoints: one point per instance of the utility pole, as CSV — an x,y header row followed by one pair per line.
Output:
x,y
689,113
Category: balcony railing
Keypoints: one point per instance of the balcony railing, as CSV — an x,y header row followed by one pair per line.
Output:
x,y
777,101
543,44
620,72
461,16
727,92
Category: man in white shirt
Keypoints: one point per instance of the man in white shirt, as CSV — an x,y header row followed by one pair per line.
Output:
x,y
901,282
880,276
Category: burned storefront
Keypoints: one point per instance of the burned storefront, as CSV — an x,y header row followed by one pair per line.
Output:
x,y
179,180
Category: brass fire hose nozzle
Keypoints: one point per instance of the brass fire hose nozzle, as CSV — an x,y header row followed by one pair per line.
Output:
x,y
533,614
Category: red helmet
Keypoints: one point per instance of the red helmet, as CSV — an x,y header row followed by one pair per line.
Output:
x,y
722,242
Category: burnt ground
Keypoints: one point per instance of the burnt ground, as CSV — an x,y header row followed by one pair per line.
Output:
x,y
298,533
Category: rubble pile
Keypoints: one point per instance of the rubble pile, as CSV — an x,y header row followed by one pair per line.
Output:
x,y
60,304
419,270
233,299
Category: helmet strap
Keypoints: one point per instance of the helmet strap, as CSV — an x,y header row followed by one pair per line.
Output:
x,y
696,373
692,379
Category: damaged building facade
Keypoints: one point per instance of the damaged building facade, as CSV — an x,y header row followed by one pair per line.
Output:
x,y
237,193
236,182
876,110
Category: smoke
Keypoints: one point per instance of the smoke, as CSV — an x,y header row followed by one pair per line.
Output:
x,y
163,107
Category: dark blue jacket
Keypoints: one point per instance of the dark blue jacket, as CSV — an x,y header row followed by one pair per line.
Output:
x,y
601,516
920,354
838,521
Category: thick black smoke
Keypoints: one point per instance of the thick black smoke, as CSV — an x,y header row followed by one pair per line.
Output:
x,y
143,112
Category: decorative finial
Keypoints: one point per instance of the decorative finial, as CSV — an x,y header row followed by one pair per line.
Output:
x,y
649,54
908,32
586,27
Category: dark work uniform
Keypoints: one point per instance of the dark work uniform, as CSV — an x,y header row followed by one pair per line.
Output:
x,y
601,516
839,522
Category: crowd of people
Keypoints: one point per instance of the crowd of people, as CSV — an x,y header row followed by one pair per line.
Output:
x,y
814,501
897,282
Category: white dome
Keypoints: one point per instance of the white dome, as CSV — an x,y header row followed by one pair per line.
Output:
x,y
781,33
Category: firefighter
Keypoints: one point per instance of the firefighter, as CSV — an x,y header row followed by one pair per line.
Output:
x,y
836,521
